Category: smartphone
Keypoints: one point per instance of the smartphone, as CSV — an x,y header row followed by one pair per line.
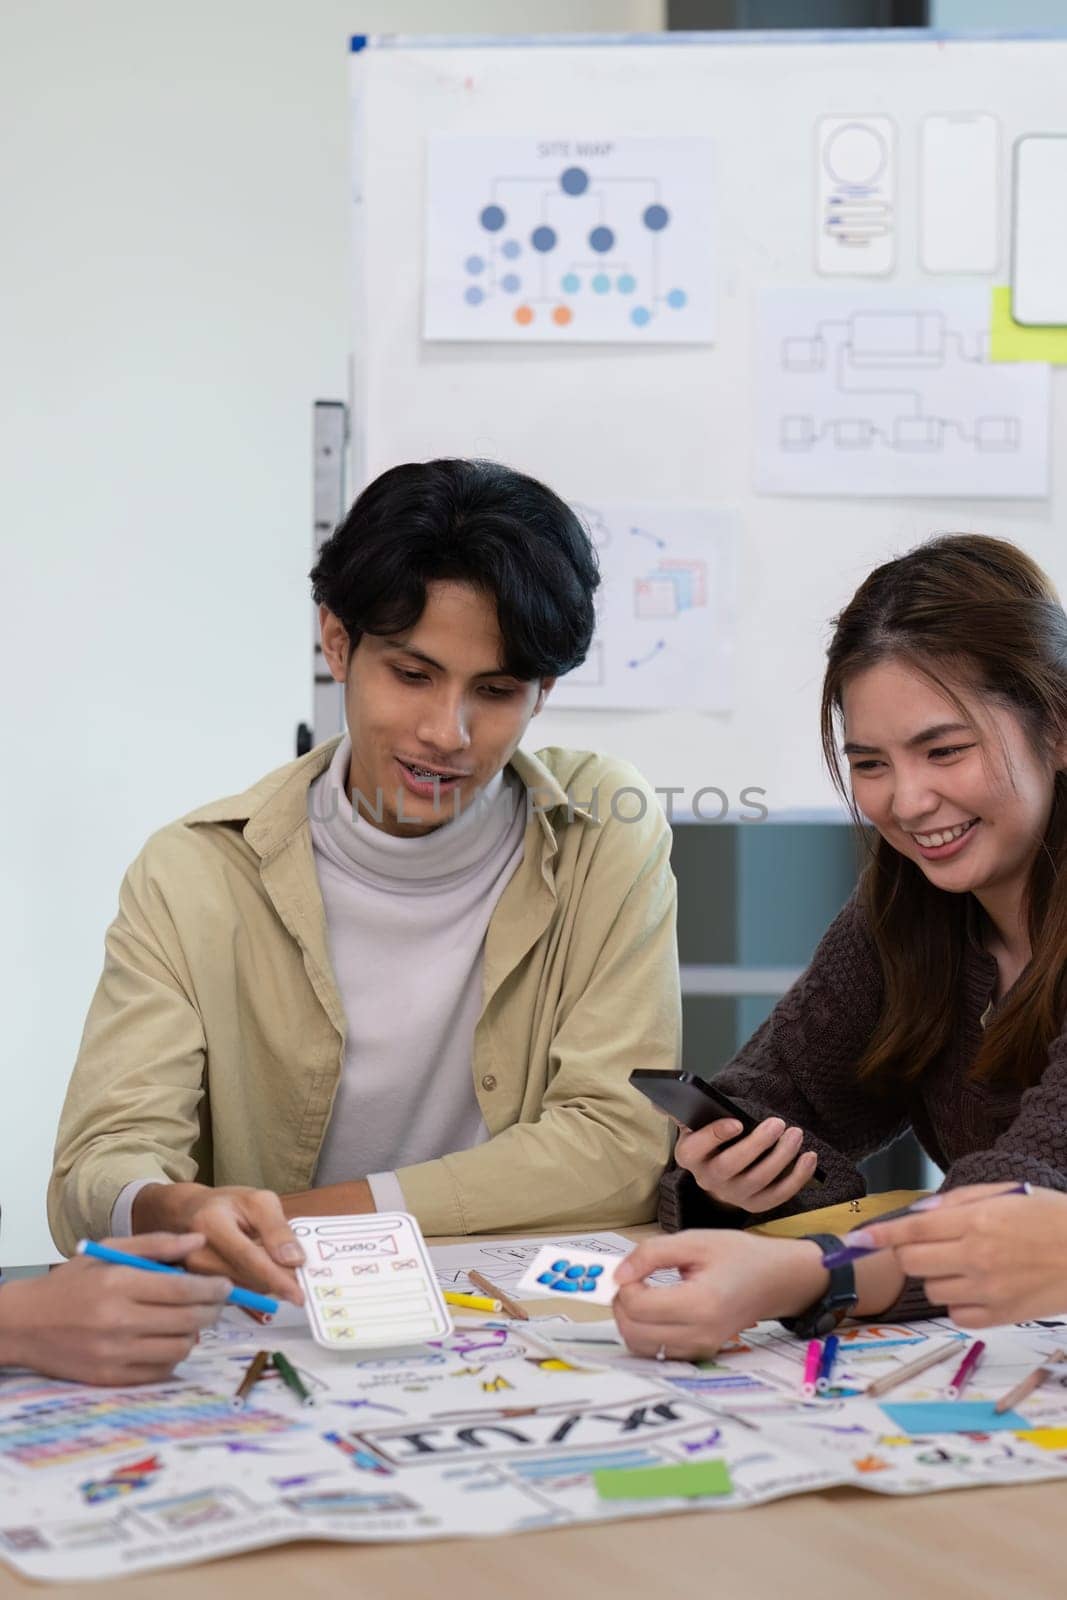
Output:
x,y
694,1103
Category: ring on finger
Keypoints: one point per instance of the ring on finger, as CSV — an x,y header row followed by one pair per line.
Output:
x,y
661,1353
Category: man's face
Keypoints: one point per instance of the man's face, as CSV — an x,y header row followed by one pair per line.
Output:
x,y
431,713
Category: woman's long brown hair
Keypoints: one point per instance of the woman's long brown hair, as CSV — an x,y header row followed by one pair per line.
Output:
x,y
974,615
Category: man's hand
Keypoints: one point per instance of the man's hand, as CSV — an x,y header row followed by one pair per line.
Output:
x,y
245,1232
91,1322
991,1257
754,1173
730,1281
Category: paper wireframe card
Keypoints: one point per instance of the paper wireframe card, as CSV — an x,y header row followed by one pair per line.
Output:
x,y
368,1282
575,1274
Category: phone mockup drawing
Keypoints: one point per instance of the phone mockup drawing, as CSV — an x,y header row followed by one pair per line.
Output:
x,y
694,1103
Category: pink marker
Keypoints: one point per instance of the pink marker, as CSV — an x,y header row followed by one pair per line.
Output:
x,y
964,1370
811,1367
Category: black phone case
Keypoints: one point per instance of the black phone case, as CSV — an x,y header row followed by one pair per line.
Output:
x,y
694,1103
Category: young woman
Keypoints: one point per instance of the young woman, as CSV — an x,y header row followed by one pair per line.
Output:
x,y
937,1000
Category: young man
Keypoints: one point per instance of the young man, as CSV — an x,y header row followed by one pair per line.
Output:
x,y
92,1322
414,968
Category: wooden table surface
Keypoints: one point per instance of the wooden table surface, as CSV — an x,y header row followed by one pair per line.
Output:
x,y
968,1544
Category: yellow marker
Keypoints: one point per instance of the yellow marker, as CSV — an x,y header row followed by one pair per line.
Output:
x,y
471,1302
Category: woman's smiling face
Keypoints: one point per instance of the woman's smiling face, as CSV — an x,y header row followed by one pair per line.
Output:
x,y
966,797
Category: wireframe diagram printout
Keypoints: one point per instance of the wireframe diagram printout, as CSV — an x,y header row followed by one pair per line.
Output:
x,y
891,392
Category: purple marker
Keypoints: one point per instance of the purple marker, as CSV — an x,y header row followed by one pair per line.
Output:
x,y
856,1252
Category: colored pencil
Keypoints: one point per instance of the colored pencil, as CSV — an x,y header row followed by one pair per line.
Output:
x,y
291,1378
1027,1385
253,1372
963,1372
245,1298
910,1370
512,1307
812,1360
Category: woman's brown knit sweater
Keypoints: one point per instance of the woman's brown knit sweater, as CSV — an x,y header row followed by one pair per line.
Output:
x,y
801,1065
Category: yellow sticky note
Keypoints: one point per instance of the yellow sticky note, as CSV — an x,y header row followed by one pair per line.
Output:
x,y
1046,1438
1012,341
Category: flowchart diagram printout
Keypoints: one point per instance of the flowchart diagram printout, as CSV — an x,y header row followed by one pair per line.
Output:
x,y
892,393
569,240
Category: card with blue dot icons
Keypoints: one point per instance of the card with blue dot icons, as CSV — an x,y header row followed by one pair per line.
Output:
x,y
576,1275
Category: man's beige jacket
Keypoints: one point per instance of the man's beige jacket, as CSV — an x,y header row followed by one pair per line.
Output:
x,y
214,1042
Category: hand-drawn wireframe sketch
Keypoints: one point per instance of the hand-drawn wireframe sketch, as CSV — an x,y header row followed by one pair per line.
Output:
x,y
891,393
569,240
665,634
856,171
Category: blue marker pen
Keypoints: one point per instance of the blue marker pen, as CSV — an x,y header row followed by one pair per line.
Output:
x,y
121,1258
826,1365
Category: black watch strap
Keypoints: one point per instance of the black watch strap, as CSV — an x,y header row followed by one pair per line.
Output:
x,y
836,1301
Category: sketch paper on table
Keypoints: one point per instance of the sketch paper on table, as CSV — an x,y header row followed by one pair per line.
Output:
x,y
666,610
959,192
569,240
855,161
503,1261
491,1430
890,392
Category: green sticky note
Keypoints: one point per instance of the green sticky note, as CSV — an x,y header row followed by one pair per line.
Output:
x,y
688,1480
1012,341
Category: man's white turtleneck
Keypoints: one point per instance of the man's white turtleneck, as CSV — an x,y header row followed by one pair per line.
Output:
x,y
406,919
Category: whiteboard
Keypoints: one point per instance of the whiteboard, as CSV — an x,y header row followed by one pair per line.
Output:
x,y
676,424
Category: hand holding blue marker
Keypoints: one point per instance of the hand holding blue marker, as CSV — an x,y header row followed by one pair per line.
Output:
x,y
857,1249
246,1298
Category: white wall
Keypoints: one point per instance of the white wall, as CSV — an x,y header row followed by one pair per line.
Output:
x,y
173,297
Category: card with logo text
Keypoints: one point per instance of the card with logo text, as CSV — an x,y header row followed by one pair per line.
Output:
x,y
368,1282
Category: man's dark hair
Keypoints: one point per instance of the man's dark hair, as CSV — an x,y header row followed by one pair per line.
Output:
x,y
472,522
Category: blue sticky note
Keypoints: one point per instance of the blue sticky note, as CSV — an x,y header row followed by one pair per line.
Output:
x,y
918,1417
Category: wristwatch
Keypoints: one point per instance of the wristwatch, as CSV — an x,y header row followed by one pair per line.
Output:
x,y
836,1300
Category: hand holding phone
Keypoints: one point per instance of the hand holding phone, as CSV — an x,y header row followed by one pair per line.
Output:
x,y
738,1160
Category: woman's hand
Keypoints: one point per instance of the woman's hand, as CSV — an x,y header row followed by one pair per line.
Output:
x,y
755,1173
246,1234
730,1281
94,1322
988,1255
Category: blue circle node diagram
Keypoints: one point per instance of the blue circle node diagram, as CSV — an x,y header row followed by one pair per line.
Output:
x,y
474,296
575,180
655,217
627,283
474,265
492,219
640,316
676,299
543,238
570,283
601,239
511,248
601,283
570,1277
510,282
